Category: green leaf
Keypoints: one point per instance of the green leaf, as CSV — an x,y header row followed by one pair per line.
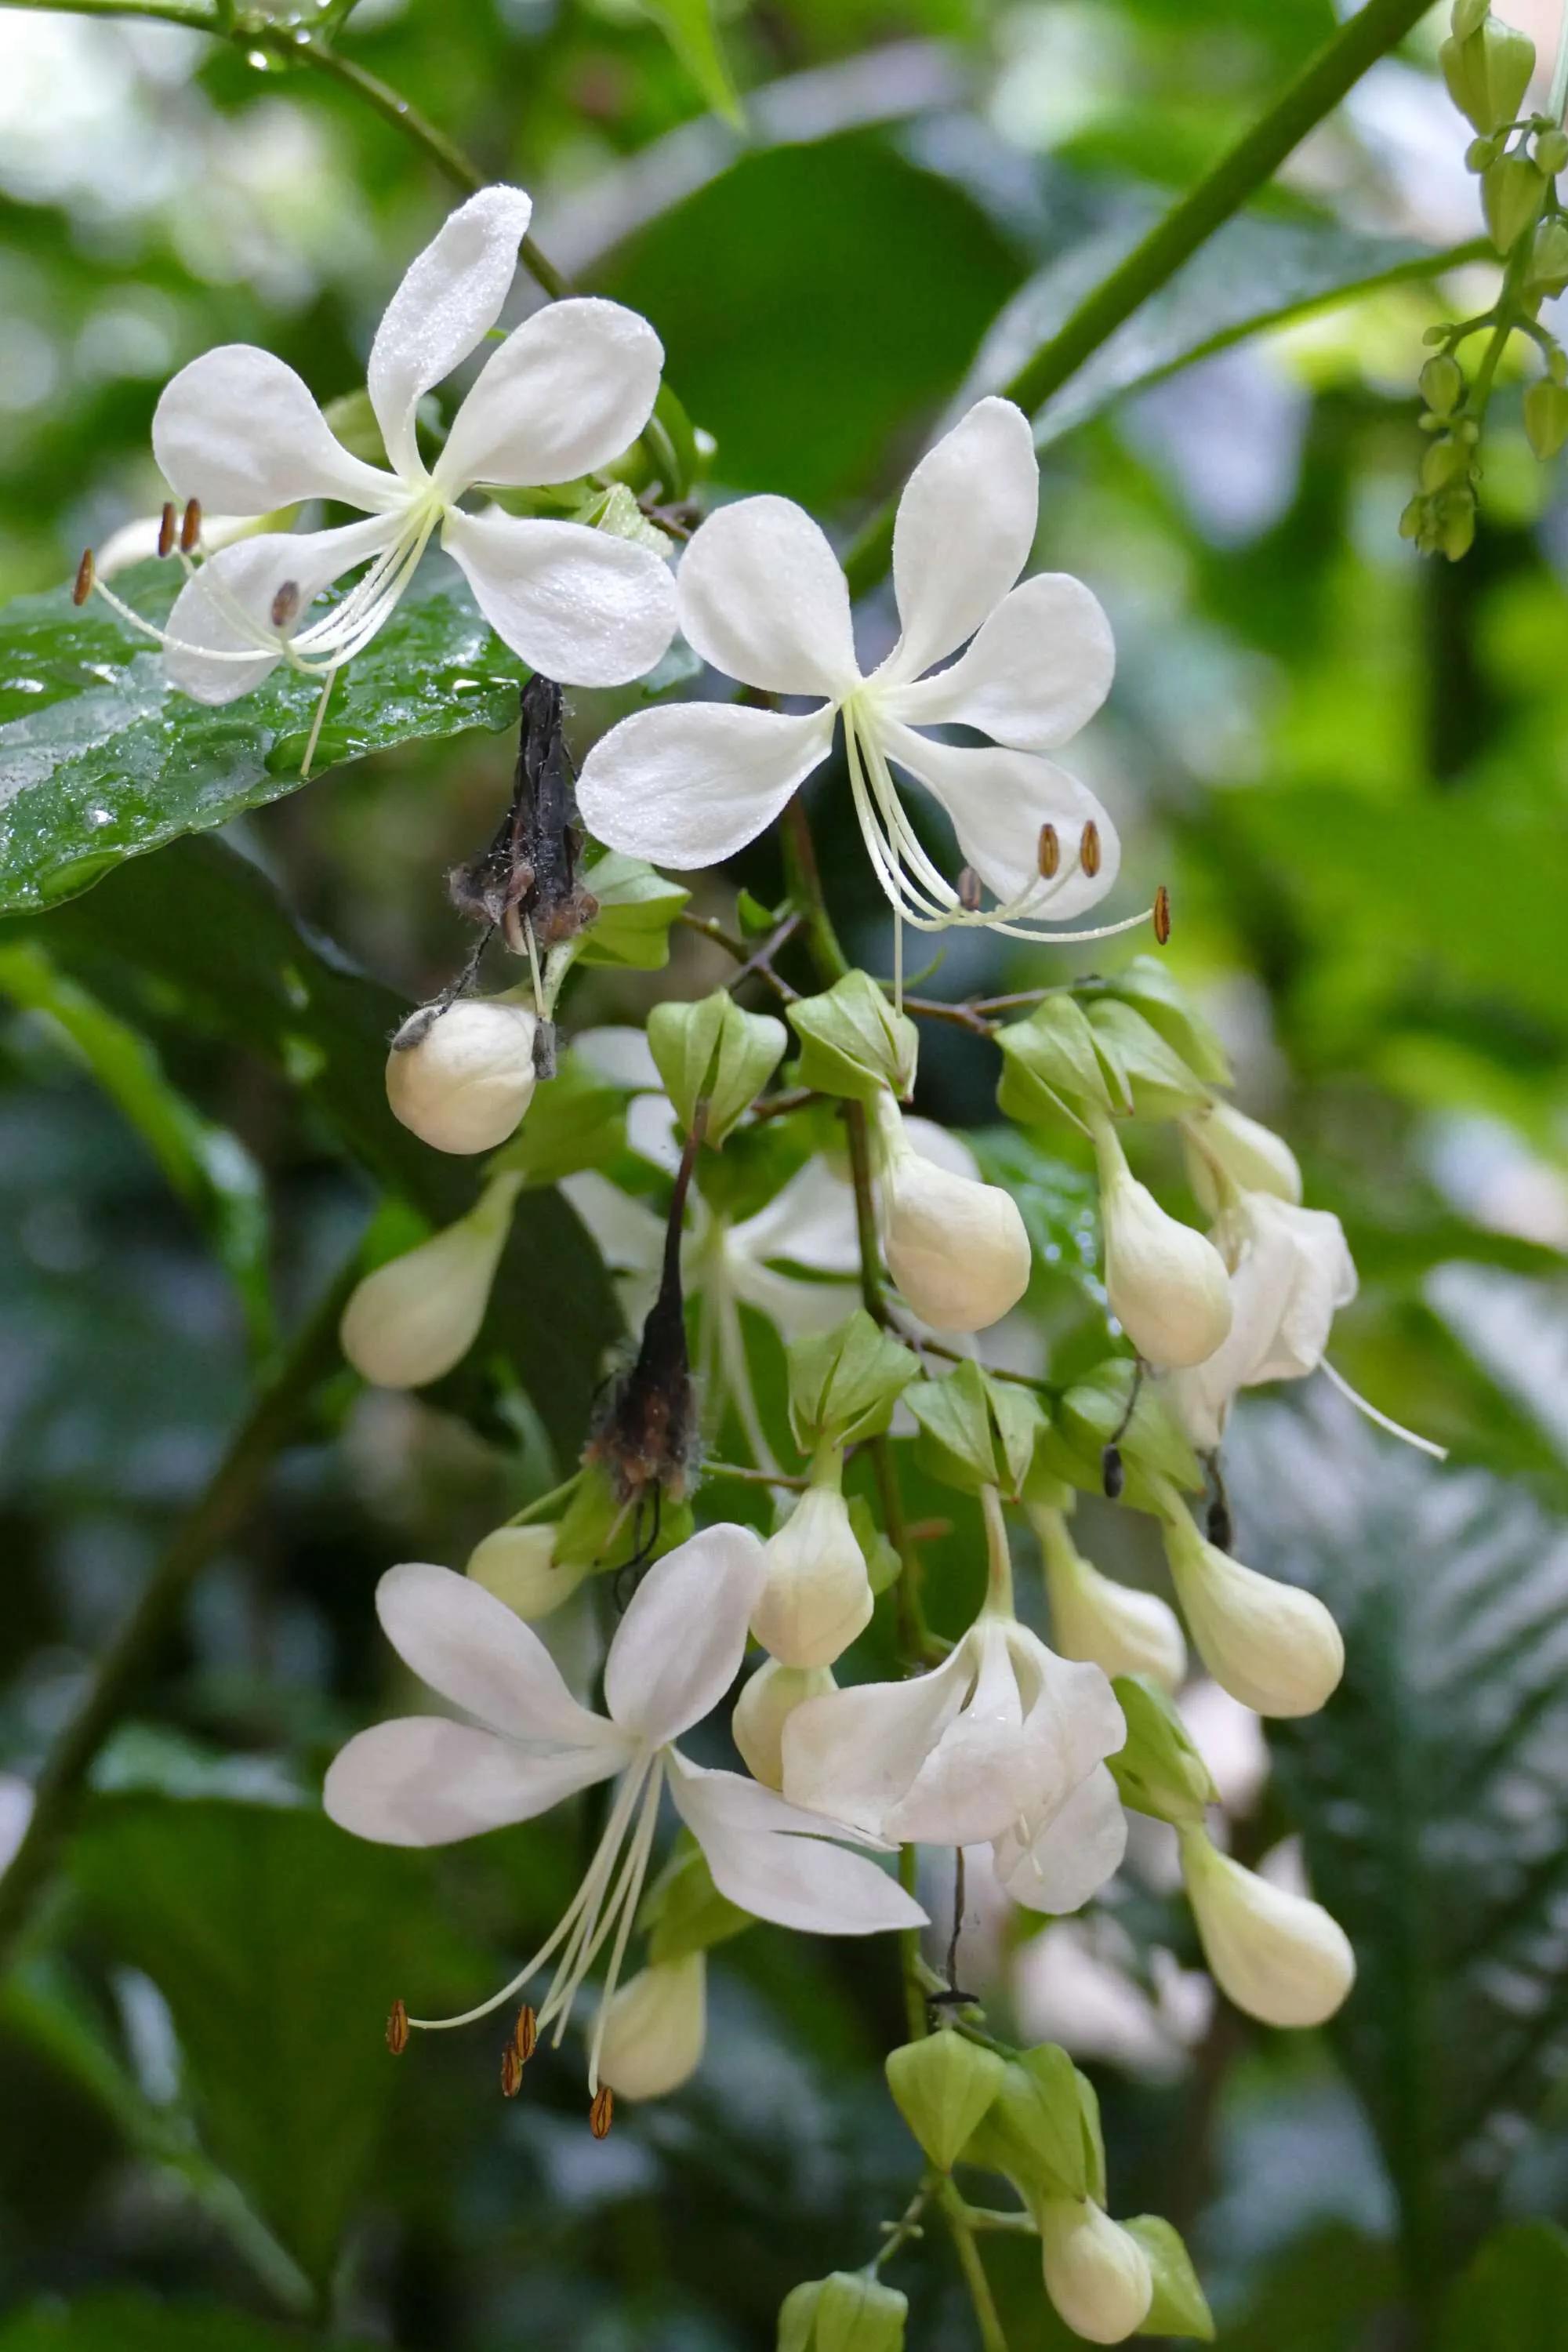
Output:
x,y
638,907
202,932
689,29
102,760
1431,1794
1515,2293
278,1943
208,1168
133,2322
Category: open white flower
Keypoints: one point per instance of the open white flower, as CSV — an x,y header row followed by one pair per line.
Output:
x,y
1290,1271
763,598
239,431
426,1780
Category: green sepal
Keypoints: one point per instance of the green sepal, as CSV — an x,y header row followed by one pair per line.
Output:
x,y
1034,2129
1511,193
844,1383
1546,417
1093,2135
1148,1076
1159,1771
1151,1444
1488,72
712,1050
852,1043
754,920
977,1431
1050,1062
577,1121
943,2086
683,1911
1147,985
638,907
597,1532
845,2311
882,1561
1180,2307
1548,272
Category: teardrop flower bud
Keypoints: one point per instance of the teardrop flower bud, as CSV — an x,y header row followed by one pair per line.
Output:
x,y
1251,1155
1111,1625
956,1246
943,2086
815,1596
654,2028
1097,2274
1167,1284
519,1566
415,1318
1271,1645
764,1708
462,1080
1280,1956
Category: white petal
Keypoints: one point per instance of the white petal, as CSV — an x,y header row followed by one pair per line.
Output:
x,y
760,1861
619,1055
423,1780
811,1222
792,1305
568,391
450,297
998,801
1059,1866
679,1645
979,1774
250,575
853,1754
965,526
1038,670
764,598
577,604
625,1233
471,1649
241,432
690,784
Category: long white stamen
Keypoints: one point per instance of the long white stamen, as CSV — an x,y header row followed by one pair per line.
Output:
x,y
316,722
642,1846
737,1378
1394,1428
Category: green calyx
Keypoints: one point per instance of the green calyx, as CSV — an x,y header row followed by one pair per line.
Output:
x,y
1159,1771
977,1431
1487,69
853,1044
848,2310
712,1051
844,1383
943,2087
683,1911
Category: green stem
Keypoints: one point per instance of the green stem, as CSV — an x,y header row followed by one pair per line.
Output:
x,y
124,1666
247,31
987,2319
1248,166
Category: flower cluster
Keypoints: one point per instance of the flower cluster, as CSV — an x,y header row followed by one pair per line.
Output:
x,y
860,1254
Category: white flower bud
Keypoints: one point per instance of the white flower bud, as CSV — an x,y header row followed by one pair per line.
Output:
x,y
1251,1155
1278,1956
764,1708
816,1595
1097,2274
956,1246
1111,1626
1167,1284
463,1080
654,2028
518,1565
1271,1645
417,1315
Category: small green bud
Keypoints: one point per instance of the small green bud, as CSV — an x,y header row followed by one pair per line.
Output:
x,y
1478,154
1548,272
1468,431
943,2087
683,1911
1488,71
1412,518
1552,151
844,1383
845,2311
1546,417
1455,524
852,1042
1048,1062
1442,384
1512,194
1159,1771
1467,17
712,1050
1179,2308
1445,461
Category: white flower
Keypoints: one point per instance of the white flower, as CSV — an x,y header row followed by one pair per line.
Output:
x,y
462,1081
1166,1283
426,1780
1227,1151
957,1247
1279,1956
655,2027
1290,1271
567,391
519,1566
763,1709
1097,2274
1271,1645
417,1315
763,598
816,1595
1121,1630
1002,1743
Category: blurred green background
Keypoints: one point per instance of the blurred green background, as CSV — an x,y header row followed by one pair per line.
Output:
x,y
1350,767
